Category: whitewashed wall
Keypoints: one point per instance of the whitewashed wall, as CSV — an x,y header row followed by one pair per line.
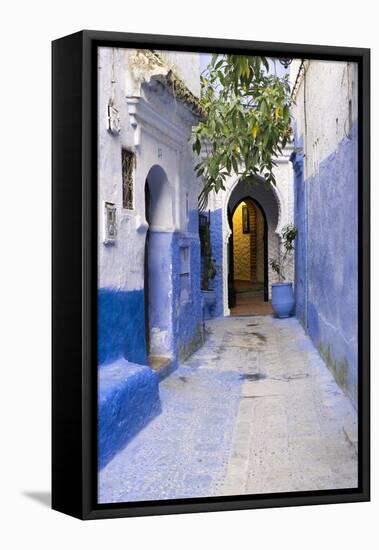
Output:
x,y
328,87
157,130
186,65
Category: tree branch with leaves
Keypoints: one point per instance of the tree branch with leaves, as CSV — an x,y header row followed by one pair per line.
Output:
x,y
247,122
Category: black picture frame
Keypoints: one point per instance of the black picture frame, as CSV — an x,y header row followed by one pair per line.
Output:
x,y
74,273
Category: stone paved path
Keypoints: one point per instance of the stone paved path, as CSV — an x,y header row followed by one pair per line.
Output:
x,y
253,411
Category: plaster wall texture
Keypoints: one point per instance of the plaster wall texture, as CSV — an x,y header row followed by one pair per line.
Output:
x,y
327,215
121,326
326,90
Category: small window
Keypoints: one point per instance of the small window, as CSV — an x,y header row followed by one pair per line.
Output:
x,y
184,259
128,161
110,225
185,281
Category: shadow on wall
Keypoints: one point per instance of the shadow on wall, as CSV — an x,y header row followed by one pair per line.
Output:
x,y
41,497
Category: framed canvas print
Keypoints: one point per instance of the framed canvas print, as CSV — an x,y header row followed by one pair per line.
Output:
x,y
210,274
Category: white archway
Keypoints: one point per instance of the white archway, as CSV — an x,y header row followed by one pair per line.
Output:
x,y
160,211
273,203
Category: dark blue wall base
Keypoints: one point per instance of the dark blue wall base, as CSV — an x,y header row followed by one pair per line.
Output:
x,y
121,326
128,398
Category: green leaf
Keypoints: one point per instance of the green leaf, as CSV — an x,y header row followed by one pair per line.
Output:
x,y
235,165
247,118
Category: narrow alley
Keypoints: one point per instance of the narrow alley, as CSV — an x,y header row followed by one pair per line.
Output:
x,y
255,410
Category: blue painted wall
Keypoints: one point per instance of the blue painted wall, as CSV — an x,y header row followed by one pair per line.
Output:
x,y
128,395
216,242
128,398
328,235
193,221
188,325
128,389
297,160
182,320
121,314
160,287
121,326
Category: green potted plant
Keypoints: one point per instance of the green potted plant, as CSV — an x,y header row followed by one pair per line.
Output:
x,y
208,267
283,300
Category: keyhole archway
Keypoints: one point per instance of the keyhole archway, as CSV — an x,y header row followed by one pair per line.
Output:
x,y
268,204
248,259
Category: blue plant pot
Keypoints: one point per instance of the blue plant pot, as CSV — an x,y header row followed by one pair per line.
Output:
x,y
209,302
283,300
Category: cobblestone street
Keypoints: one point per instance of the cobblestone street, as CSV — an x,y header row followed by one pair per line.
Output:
x,y
255,410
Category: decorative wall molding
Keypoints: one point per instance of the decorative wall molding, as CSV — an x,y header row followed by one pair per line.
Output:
x,y
114,123
143,116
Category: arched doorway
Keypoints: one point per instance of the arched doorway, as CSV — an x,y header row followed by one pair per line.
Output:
x,y
248,259
157,269
270,201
